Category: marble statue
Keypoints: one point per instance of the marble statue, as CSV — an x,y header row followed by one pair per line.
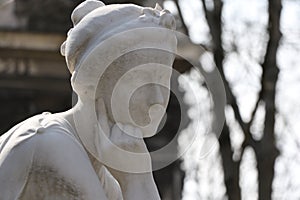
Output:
x,y
120,57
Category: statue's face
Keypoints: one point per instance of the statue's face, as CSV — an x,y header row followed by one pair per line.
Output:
x,y
136,88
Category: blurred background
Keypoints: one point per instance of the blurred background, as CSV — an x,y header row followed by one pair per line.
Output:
x,y
255,45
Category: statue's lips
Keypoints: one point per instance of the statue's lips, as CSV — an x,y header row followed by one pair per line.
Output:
x,y
156,113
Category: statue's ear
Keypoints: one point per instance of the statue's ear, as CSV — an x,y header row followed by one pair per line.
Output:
x,y
63,48
83,9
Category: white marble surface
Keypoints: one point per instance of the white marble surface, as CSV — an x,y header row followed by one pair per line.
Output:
x,y
121,73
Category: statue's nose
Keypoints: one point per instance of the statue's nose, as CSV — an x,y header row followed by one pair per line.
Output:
x,y
157,96
167,20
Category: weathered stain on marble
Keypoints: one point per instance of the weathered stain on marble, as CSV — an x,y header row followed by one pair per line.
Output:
x,y
49,184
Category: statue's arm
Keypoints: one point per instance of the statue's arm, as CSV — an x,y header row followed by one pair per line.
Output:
x,y
134,185
70,160
15,164
53,150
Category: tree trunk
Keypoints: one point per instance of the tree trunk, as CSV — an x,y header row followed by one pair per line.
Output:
x,y
230,167
266,157
266,150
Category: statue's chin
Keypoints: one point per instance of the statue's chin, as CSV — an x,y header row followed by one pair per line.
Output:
x,y
149,125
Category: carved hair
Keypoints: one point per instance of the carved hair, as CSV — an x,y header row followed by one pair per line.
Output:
x,y
85,29
93,22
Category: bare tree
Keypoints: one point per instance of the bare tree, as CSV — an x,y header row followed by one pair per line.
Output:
x,y
265,149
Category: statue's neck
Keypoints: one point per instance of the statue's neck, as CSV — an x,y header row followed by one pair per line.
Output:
x,y
87,119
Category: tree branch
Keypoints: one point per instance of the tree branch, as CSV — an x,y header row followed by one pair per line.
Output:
x,y
215,27
267,151
184,27
270,68
231,168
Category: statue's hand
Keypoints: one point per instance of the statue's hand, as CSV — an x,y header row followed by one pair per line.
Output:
x,y
125,136
128,138
133,185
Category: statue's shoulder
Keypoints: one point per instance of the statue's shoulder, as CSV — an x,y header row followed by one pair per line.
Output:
x,y
41,132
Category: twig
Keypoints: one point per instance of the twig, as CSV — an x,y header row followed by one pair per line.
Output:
x,y
185,28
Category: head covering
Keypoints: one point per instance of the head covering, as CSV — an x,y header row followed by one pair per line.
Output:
x,y
94,21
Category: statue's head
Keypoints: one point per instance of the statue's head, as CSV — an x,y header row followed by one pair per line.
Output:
x,y
123,55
